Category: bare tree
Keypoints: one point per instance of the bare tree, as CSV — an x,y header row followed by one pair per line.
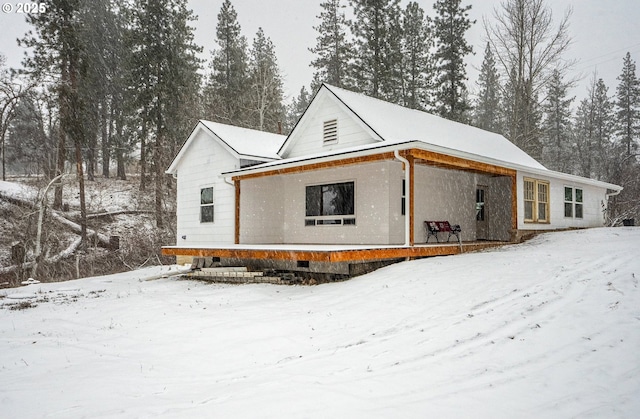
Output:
x,y
11,91
528,47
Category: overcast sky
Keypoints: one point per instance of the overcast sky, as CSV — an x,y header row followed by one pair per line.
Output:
x,y
602,32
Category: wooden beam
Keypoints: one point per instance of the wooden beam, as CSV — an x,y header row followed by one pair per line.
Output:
x,y
318,166
446,161
514,202
336,256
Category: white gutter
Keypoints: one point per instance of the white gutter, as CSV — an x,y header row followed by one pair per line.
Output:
x,y
614,193
407,202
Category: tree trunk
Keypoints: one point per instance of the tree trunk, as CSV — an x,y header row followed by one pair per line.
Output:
x,y
64,115
83,206
143,156
121,170
157,162
104,132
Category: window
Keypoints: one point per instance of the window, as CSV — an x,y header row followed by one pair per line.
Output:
x,y
331,201
206,205
330,131
572,202
536,201
480,204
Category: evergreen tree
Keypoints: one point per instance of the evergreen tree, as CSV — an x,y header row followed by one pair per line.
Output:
x,y
60,52
297,108
487,112
628,106
377,48
417,63
165,80
333,49
450,25
226,88
556,126
625,168
593,132
266,110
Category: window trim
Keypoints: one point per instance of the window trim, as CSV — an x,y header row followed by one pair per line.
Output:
x,y
536,201
330,220
211,204
574,202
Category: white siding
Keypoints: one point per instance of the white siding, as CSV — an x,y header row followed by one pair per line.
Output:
x,y
201,166
308,137
273,209
593,198
444,195
262,211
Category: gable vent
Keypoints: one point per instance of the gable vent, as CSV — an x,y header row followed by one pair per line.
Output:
x,y
330,132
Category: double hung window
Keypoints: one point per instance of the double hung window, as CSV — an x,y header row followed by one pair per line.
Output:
x,y
536,201
206,205
573,202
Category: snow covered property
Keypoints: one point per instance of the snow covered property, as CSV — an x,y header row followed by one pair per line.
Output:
x,y
542,329
355,182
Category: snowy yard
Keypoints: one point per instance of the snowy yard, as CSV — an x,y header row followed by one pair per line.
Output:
x,y
548,328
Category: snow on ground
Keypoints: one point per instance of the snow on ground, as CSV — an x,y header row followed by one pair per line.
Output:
x,y
548,328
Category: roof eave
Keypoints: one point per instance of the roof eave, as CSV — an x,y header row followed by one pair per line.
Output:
x,y
382,148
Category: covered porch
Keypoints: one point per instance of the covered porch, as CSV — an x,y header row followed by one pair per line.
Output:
x,y
390,195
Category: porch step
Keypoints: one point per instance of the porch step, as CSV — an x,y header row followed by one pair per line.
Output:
x,y
240,275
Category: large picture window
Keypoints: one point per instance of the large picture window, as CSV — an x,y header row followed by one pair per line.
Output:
x,y
206,205
536,201
331,200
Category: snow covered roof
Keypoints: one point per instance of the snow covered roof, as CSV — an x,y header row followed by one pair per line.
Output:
x,y
244,143
248,142
397,124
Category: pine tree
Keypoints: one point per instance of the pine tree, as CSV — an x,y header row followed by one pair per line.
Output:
x,y
628,106
164,72
59,51
593,132
487,112
625,170
377,51
226,88
417,63
297,108
333,49
556,126
450,25
266,110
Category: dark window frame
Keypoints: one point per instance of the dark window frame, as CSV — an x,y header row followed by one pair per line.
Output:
x,y
207,205
330,204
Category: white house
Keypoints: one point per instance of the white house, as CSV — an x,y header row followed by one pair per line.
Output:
x,y
360,176
206,200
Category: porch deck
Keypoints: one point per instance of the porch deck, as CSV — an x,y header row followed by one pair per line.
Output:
x,y
327,253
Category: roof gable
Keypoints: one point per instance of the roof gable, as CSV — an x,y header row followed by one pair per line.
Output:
x,y
242,143
397,124
323,100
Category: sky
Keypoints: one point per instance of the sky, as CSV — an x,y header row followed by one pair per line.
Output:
x,y
602,33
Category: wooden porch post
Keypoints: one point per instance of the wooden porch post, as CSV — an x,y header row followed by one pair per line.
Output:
x,y
514,203
412,172
237,222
